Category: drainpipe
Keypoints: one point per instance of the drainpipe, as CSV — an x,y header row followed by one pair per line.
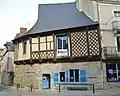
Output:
x,y
98,17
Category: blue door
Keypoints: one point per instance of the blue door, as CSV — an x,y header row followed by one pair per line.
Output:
x,y
46,81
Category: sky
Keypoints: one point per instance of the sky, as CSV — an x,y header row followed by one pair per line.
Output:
x,y
19,13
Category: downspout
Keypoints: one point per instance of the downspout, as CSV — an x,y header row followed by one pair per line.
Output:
x,y
102,71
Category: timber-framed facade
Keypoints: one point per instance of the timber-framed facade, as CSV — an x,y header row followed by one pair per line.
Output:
x,y
58,48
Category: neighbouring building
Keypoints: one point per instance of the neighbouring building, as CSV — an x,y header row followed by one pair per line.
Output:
x,y
7,64
107,13
62,46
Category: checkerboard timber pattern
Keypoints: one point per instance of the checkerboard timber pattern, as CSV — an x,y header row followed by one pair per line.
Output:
x,y
85,43
93,40
79,44
47,54
43,54
35,55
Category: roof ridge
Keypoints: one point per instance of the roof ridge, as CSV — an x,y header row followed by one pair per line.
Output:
x,y
58,3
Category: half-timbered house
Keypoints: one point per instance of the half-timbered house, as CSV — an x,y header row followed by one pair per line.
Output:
x,y
62,46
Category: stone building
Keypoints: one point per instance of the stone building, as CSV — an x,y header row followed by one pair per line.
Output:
x,y
63,46
107,13
7,64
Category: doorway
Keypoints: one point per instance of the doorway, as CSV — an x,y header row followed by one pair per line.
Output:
x,y
46,81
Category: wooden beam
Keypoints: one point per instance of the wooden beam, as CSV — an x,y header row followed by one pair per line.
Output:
x,y
70,44
46,47
39,48
99,41
87,42
30,41
54,45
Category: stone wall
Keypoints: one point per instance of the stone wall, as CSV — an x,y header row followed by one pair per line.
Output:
x,y
25,75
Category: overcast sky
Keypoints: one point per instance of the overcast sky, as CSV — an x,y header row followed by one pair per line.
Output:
x,y
19,13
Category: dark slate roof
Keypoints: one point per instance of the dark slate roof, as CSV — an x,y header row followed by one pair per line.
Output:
x,y
59,16
9,46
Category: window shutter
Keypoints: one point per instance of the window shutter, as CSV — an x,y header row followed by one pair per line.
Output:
x,y
83,77
67,76
56,77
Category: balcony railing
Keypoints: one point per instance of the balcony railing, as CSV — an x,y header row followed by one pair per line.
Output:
x,y
111,51
116,25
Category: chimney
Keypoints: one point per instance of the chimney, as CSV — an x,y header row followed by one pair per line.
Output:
x,y
23,30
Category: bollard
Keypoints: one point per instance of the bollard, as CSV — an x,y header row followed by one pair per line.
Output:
x,y
93,88
59,87
18,86
31,88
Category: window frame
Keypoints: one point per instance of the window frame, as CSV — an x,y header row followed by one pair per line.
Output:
x,y
62,52
62,77
61,36
24,47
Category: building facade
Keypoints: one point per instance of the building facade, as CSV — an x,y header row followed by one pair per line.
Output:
x,y
7,65
107,13
62,46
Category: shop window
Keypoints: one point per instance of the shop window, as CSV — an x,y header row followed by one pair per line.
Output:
x,y
113,72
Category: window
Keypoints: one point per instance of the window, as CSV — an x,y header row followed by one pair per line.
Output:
x,y
62,42
118,43
46,43
62,76
24,47
72,75
76,75
62,45
113,71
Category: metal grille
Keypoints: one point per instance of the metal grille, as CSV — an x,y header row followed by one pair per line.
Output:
x,y
35,55
79,44
110,51
93,42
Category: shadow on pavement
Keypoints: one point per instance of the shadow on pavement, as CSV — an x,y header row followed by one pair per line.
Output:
x,y
2,87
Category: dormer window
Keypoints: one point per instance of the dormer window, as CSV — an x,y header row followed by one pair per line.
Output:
x,y
24,47
62,46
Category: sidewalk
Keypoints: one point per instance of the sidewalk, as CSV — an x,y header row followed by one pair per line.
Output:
x,y
109,92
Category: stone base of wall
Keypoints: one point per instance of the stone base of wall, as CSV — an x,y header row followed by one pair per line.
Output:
x,y
7,78
27,75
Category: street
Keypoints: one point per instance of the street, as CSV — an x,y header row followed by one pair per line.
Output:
x,y
11,91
